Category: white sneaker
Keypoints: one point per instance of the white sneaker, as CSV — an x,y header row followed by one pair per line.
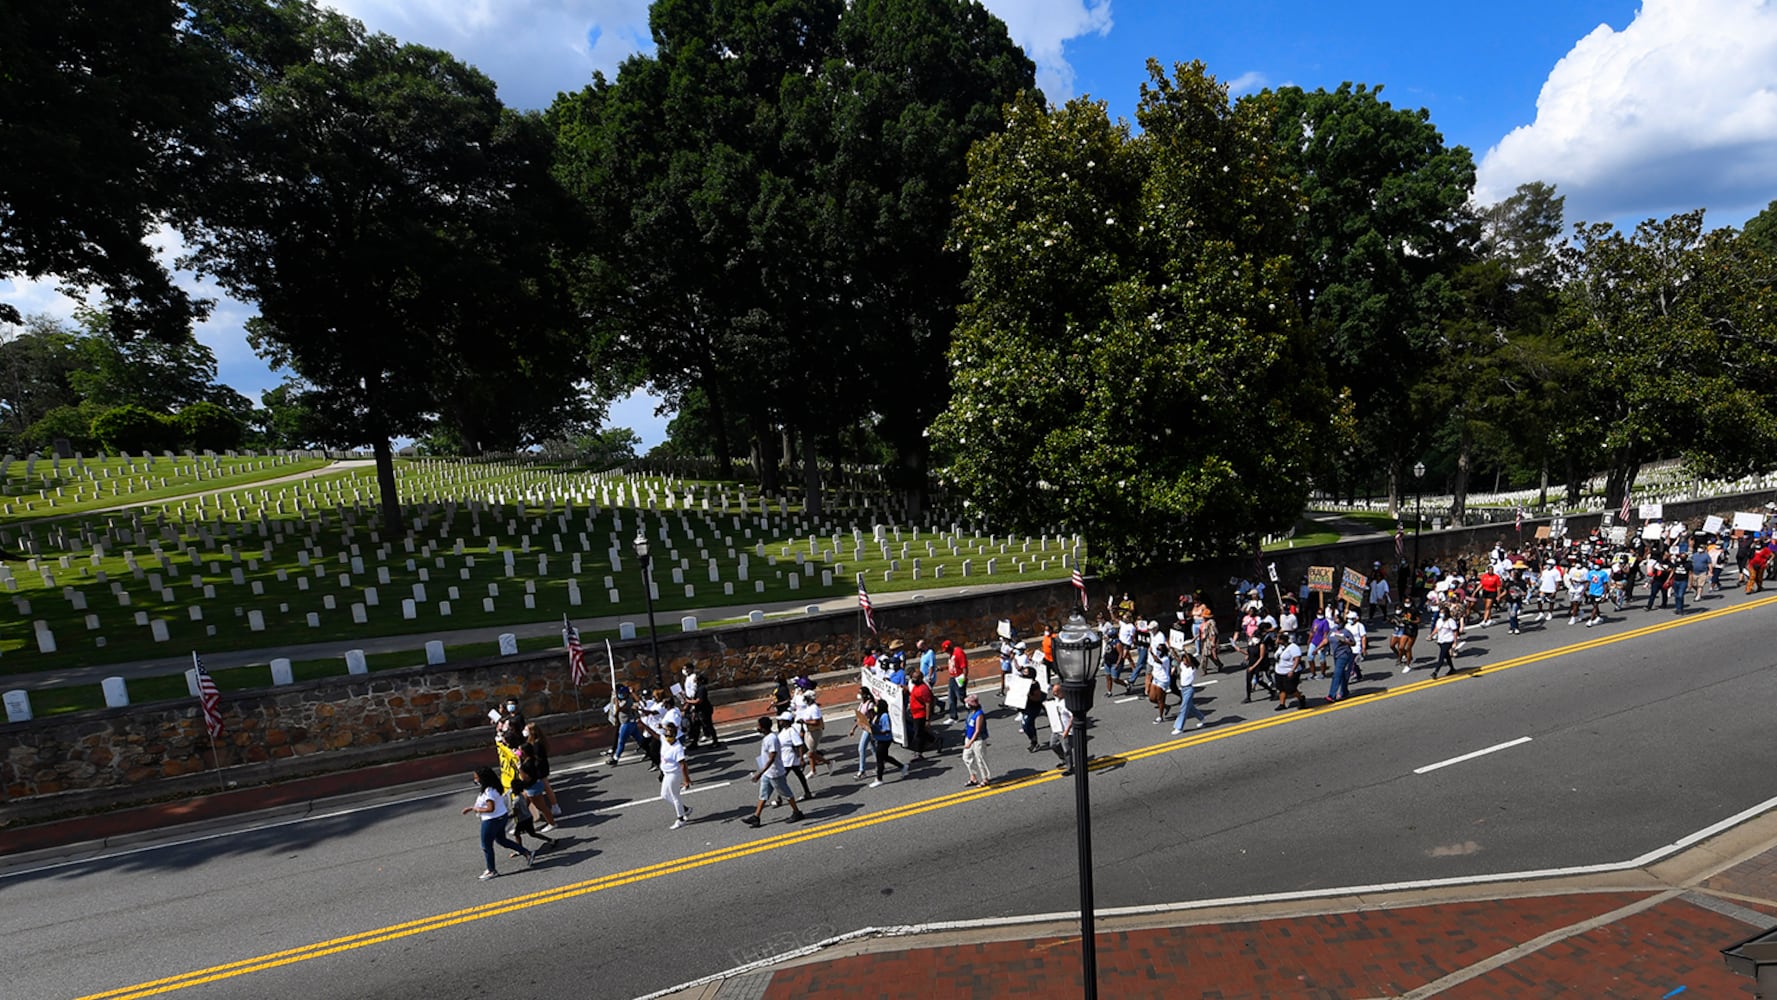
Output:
x,y
677,823
876,784
1570,621
546,828
1407,669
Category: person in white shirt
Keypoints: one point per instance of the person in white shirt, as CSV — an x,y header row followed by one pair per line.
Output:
x,y
1576,590
1187,685
1359,633
1446,632
1548,583
1063,743
675,778
1289,675
770,775
1159,681
1379,597
812,725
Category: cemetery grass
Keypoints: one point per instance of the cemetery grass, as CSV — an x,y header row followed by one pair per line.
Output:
x,y
464,521
20,498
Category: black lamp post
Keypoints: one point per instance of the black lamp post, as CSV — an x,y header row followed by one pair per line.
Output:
x,y
641,547
1418,512
1078,650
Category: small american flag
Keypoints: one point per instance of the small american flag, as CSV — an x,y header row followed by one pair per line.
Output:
x,y
1623,514
576,657
1520,522
1080,585
209,697
864,604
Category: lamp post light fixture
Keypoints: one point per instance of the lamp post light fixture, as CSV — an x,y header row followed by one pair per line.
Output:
x,y
641,547
1079,648
1418,513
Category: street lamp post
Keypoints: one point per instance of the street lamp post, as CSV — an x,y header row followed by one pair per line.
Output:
x,y
1418,513
641,547
1078,651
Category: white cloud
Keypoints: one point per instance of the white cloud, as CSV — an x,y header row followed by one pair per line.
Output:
x,y
1676,111
1250,82
1044,27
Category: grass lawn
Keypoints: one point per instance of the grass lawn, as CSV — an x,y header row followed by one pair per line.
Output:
x,y
60,488
291,550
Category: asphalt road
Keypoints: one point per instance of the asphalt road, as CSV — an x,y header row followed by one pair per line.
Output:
x,y
1639,732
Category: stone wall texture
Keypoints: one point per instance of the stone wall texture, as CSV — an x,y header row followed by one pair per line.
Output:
x,y
151,750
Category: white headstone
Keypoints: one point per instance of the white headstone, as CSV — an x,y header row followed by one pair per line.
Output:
x,y
158,629
419,593
444,609
508,644
408,612
755,617
359,615
46,640
18,706
117,692
281,672
688,623
313,618
371,599
435,651
626,630
355,663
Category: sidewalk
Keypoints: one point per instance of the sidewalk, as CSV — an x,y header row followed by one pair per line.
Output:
x,y
1653,931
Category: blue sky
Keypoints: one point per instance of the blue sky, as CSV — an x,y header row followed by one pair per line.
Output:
x,y
1631,109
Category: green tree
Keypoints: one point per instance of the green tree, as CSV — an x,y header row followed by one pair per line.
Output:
x,y
209,427
1761,229
71,423
104,107
1130,362
284,419
132,428
161,374
363,192
1676,330
1382,233
36,365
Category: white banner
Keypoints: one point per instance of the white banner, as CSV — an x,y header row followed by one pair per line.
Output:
x,y
1744,521
882,689
1651,531
1712,525
1652,511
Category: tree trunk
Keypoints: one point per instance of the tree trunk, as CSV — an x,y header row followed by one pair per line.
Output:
x,y
914,467
385,482
712,391
1573,481
766,442
1394,490
1542,496
1459,490
811,476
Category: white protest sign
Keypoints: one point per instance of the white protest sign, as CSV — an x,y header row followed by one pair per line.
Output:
x,y
1053,708
1652,511
1744,521
1712,525
1017,691
883,690
1651,531
1619,534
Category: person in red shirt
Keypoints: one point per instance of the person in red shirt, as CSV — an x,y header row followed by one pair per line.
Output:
x,y
959,676
920,703
1490,582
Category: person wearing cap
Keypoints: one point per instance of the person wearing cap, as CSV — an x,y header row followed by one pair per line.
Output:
x,y
811,724
1356,627
958,672
1380,595
975,744
1344,645
770,774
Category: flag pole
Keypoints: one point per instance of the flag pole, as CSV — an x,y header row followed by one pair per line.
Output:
x,y
579,714
197,667
860,622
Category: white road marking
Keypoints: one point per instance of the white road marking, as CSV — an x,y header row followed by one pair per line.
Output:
x,y
1125,701
1427,769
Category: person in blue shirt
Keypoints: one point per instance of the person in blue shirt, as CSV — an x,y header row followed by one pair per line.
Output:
x,y
1597,582
975,744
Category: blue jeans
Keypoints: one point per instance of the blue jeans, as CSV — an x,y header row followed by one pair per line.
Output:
x,y
863,748
956,697
626,732
1679,587
1342,664
1188,707
493,831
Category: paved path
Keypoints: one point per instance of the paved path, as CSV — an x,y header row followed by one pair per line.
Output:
x,y
415,642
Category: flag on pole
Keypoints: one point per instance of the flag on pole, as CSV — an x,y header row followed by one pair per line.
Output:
x,y
864,604
209,697
1080,585
1623,514
576,657
1520,522
1400,544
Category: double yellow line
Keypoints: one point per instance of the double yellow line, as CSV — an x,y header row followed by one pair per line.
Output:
x,y
411,928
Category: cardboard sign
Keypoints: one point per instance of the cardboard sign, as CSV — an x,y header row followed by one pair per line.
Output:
x,y
1352,587
1651,511
1004,629
1744,521
1543,531
1712,525
1320,579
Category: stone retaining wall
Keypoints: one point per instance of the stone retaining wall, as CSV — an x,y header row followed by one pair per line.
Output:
x,y
311,726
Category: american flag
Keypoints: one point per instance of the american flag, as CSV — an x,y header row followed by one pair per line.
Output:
x,y
209,697
1400,544
576,658
864,604
1623,514
1520,522
1080,585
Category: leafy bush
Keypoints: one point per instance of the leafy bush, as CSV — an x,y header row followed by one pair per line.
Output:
x,y
134,429
208,427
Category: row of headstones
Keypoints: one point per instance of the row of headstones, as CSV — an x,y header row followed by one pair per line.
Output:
x,y
116,689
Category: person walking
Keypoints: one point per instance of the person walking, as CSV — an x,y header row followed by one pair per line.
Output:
x,y
771,775
490,806
1344,646
790,744
675,777
921,704
958,672
862,715
1032,707
1446,632
625,716
1159,683
1681,581
882,732
975,744
533,769
1062,740
699,712
812,725
1187,706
